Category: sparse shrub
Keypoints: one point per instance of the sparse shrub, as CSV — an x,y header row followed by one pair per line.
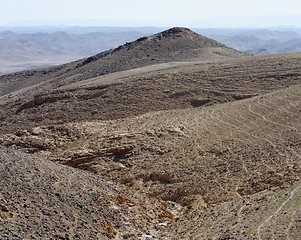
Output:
x,y
126,236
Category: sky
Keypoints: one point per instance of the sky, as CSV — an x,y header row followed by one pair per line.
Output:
x,y
190,13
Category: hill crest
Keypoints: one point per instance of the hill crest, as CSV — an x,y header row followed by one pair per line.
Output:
x,y
176,39
173,45
176,33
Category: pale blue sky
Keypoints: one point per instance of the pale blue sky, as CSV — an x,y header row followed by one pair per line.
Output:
x,y
150,12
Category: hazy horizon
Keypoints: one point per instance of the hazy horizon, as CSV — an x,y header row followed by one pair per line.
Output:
x,y
134,13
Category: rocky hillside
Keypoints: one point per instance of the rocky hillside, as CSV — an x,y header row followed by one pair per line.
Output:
x,y
204,144
131,93
216,162
41,199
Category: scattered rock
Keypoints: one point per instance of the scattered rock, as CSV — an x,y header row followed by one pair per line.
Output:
x,y
199,102
4,208
37,101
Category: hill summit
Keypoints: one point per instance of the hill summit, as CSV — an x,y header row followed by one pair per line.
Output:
x,y
175,39
173,45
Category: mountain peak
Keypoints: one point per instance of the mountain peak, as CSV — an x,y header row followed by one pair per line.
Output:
x,y
176,30
171,40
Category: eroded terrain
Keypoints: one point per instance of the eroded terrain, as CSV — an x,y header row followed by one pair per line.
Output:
x,y
206,149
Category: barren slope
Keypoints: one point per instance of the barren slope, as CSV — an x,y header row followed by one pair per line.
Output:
x,y
177,44
265,215
177,150
128,94
200,158
43,200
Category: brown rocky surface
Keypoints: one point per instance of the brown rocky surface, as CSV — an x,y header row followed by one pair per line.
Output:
x,y
40,199
264,215
203,158
198,149
113,97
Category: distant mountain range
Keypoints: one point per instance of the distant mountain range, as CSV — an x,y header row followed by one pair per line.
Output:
x,y
19,51
32,47
258,40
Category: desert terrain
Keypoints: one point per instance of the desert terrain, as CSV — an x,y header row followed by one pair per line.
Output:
x,y
26,48
172,136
